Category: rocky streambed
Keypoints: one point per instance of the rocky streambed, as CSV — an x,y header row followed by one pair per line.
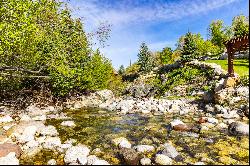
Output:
x,y
179,134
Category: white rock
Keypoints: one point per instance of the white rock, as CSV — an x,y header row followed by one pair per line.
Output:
x,y
49,131
117,141
161,108
32,144
75,153
34,111
100,162
7,127
10,159
68,123
83,160
222,125
243,91
28,134
145,111
39,117
170,151
6,119
199,163
145,161
91,159
144,148
25,117
212,120
51,142
163,159
51,162
176,122
125,144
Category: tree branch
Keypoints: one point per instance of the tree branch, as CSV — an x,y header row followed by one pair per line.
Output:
x,y
23,76
11,68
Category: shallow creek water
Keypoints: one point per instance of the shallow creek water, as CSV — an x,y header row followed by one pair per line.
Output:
x,y
96,128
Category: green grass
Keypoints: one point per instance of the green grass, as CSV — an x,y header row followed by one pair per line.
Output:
x,y
241,66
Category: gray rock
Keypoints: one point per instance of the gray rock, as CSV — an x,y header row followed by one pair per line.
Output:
x,y
238,128
170,151
129,156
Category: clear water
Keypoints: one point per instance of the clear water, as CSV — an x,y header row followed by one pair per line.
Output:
x,y
96,128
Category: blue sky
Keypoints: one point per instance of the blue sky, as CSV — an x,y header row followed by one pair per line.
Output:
x,y
159,23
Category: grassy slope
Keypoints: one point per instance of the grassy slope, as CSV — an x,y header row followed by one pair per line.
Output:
x,y
241,66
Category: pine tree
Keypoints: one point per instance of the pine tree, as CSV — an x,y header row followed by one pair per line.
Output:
x,y
145,60
189,48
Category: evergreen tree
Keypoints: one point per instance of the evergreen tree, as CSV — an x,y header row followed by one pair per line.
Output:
x,y
145,60
189,47
121,70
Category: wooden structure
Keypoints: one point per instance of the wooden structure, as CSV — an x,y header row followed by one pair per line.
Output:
x,y
234,45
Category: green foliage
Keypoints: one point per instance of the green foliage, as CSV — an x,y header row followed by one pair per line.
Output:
x,y
121,70
41,36
240,26
117,85
145,60
166,55
134,68
189,48
217,34
182,76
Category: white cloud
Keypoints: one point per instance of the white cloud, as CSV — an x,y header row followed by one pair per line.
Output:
x,y
128,12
